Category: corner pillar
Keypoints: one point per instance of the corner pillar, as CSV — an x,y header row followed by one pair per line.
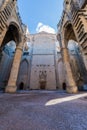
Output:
x,y
11,87
71,88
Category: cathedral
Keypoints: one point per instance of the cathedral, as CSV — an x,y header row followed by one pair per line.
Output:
x,y
43,61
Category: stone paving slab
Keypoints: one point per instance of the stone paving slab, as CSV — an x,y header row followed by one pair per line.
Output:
x,y
43,110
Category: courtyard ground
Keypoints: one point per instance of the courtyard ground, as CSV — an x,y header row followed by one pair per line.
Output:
x,y
43,110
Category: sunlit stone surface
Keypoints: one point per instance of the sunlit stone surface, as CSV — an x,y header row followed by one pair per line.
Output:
x,y
43,110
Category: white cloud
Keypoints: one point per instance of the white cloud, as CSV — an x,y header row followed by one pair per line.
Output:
x,y
46,28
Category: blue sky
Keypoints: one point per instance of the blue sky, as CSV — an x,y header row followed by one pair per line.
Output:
x,y
37,12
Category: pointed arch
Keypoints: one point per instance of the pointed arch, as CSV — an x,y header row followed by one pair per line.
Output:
x,y
23,74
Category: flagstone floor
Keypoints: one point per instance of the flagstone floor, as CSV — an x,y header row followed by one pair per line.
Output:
x,y
43,110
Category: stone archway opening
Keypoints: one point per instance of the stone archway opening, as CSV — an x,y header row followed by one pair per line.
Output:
x,y
64,86
11,34
7,51
69,33
74,58
43,85
21,86
6,62
23,74
42,79
77,64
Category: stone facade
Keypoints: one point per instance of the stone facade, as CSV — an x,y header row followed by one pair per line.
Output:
x,y
43,61
42,64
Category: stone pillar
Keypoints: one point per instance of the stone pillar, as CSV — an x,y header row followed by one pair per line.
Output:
x,y
71,84
11,87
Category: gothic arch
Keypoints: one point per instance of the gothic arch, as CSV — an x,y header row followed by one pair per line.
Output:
x,y
24,60
19,29
69,33
11,29
60,73
11,34
23,74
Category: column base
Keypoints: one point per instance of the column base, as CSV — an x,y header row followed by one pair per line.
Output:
x,y
72,90
10,89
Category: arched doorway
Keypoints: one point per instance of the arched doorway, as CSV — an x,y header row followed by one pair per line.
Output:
x,y
64,86
42,85
7,51
21,86
42,79
60,73
23,73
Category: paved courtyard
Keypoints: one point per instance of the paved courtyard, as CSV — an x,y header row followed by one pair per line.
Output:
x,y
43,110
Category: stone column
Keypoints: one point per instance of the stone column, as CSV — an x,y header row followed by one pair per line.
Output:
x,y
11,87
71,84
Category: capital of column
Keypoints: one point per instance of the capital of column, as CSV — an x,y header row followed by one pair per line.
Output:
x,y
19,48
64,48
22,42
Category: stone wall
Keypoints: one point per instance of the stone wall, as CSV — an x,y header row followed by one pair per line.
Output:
x,y
43,60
